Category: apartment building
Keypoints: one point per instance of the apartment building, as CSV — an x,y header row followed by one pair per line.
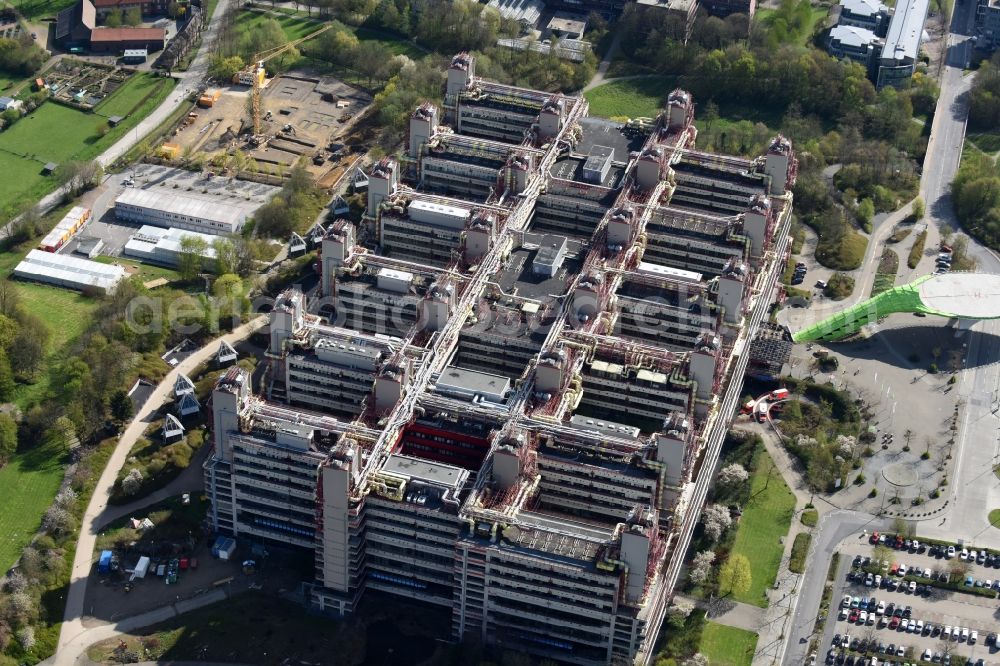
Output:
x,y
513,405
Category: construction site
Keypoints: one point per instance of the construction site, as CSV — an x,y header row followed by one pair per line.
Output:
x,y
512,403
301,116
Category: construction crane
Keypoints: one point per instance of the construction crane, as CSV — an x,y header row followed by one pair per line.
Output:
x,y
254,72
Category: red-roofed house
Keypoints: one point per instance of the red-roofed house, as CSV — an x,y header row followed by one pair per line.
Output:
x,y
116,40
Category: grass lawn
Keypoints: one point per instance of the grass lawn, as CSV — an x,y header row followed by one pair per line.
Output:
x,y
55,133
395,44
632,98
727,646
27,484
145,272
994,517
765,521
126,98
293,27
249,625
41,8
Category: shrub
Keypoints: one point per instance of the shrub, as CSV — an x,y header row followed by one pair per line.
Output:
x,y
800,550
810,517
917,251
874,492
839,286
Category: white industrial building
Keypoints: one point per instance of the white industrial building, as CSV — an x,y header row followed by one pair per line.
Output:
x,y
201,213
162,246
69,272
514,406
902,43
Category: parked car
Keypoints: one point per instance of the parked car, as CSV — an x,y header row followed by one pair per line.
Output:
x,y
950,553
973,637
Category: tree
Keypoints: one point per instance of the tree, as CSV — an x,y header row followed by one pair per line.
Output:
x,y
121,406
958,569
880,553
132,482
732,475
114,18
27,351
701,567
79,175
191,258
866,210
58,522
7,384
8,438
133,16
735,576
224,69
711,114
716,520
918,209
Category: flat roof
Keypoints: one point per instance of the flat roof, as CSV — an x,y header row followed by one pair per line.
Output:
x,y
68,269
441,208
905,30
425,470
185,204
667,271
473,381
964,295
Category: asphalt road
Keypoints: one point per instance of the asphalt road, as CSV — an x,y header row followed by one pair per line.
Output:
x,y
833,528
188,82
966,518
73,636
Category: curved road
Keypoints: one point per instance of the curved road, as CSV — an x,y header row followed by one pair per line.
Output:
x,y
965,517
73,637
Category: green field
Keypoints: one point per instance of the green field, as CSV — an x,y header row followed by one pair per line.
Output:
x,y
130,95
56,133
396,45
293,27
40,8
765,521
727,646
631,98
27,484
298,24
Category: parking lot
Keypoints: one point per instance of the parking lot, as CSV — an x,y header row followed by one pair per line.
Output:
x,y
908,618
115,233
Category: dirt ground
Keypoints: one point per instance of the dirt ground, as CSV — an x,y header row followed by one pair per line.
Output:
x,y
304,116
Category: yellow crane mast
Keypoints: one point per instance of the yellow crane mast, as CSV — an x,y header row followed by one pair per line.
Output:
x,y
256,68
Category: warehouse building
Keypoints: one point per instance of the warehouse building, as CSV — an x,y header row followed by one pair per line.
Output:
x,y
69,272
513,406
164,246
119,40
204,214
